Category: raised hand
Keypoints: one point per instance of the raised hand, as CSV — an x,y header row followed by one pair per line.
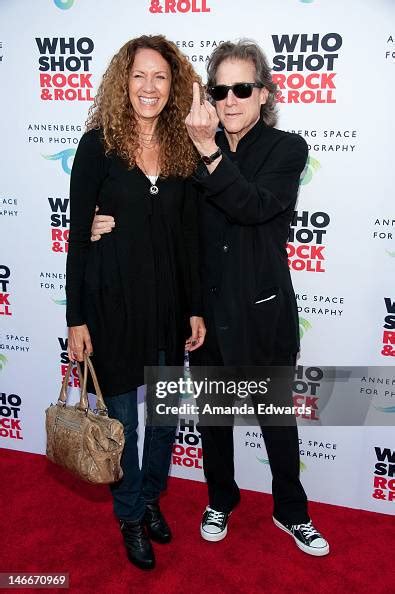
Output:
x,y
202,123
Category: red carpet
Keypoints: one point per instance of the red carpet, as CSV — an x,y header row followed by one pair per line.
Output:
x,y
52,522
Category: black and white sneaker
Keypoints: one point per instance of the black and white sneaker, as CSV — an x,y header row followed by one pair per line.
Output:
x,y
214,526
307,538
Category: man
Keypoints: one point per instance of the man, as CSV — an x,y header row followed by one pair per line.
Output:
x,y
249,180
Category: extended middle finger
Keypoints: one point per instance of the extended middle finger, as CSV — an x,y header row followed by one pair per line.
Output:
x,y
195,97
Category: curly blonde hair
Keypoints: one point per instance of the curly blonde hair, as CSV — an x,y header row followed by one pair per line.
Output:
x,y
113,113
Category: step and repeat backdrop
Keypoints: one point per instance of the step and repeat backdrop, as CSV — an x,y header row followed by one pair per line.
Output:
x,y
335,67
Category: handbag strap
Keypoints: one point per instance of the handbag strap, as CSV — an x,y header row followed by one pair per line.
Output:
x,y
101,407
63,389
84,402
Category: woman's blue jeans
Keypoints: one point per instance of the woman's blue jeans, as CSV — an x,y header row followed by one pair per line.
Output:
x,y
139,486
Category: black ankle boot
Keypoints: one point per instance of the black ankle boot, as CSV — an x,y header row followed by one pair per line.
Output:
x,y
137,543
156,524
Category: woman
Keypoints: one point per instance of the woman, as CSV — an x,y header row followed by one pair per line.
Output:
x,y
130,296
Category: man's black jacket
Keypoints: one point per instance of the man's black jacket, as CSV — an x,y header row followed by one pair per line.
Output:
x,y
246,209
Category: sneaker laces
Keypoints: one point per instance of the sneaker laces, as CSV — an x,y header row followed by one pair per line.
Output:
x,y
215,517
307,530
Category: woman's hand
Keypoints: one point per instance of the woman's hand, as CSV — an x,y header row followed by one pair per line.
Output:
x,y
101,224
198,334
79,343
202,123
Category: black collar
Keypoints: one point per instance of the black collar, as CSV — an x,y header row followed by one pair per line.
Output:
x,y
246,141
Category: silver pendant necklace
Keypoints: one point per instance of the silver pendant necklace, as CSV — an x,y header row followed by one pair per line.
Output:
x,y
154,190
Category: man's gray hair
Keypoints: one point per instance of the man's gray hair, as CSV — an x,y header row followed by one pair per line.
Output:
x,y
246,49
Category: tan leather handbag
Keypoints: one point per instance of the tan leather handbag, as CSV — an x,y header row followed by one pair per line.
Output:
x,y
89,445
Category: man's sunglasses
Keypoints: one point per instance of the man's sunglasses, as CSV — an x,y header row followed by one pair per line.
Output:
x,y
240,90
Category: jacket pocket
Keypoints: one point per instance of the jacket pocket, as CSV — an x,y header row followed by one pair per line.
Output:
x,y
266,296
